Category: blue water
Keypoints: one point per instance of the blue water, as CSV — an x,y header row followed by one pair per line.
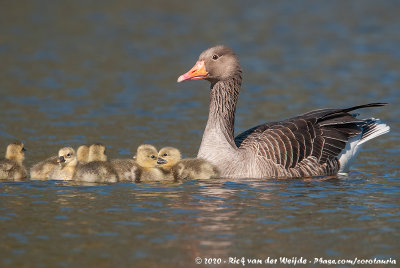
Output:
x,y
82,72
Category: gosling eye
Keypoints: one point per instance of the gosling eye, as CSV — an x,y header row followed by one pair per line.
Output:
x,y
68,155
215,57
152,156
23,149
165,154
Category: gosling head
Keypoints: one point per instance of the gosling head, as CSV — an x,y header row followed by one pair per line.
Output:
x,y
16,152
97,152
66,157
82,154
146,156
168,157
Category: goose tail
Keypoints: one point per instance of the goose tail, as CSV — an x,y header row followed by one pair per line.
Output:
x,y
371,128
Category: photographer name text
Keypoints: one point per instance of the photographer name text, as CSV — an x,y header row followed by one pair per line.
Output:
x,y
243,261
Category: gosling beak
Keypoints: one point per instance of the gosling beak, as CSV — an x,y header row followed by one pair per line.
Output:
x,y
24,149
161,161
60,160
197,72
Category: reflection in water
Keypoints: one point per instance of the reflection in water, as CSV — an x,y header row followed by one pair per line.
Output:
x,y
143,222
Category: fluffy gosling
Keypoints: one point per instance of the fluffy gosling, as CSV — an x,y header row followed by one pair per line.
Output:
x,y
67,163
145,169
98,169
123,168
42,170
186,169
11,168
82,154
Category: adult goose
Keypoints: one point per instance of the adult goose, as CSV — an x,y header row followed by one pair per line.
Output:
x,y
320,142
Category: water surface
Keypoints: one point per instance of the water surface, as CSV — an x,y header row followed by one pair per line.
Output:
x,y
82,72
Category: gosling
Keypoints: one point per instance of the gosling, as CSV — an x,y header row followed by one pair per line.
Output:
x,y
82,154
145,169
123,167
169,160
11,168
42,170
98,169
67,163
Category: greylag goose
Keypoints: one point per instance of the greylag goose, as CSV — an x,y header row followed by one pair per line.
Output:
x,y
169,160
11,168
317,143
145,169
67,164
98,169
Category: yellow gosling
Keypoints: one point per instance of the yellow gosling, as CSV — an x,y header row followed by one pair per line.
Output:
x,y
185,169
97,152
123,168
67,163
41,170
11,168
82,154
98,169
145,169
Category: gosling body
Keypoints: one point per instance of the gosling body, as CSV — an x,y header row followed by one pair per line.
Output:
x,y
185,169
195,168
123,168
145,169
11,168
98,169
42,170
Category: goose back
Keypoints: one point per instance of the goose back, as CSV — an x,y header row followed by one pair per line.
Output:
x,y
306,145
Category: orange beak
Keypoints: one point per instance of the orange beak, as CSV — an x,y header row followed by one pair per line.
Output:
x,y
197,72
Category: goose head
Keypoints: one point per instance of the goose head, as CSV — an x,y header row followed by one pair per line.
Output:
x,y
66,156
214,64
146,156
168,157
16,151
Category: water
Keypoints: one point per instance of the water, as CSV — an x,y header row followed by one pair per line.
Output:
x,y
82,72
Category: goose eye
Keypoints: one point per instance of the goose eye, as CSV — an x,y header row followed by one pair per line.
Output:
x,y
165,154
215,57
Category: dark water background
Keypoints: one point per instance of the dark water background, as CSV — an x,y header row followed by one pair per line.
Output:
x,y
74,72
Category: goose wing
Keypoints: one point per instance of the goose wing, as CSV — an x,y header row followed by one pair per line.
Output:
x,y
320,135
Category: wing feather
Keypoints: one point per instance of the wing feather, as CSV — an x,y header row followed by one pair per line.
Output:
x,y
306,144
